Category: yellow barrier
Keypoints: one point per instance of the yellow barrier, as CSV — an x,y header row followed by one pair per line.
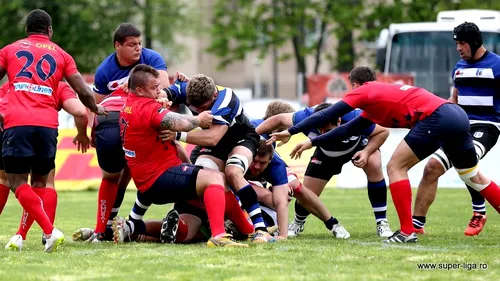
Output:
x,y
80,171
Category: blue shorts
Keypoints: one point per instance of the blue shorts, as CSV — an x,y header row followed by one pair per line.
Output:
x,y
108,146
448,128
174,185
29,149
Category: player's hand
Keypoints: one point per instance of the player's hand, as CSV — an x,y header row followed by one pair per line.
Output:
x,y
101,110
82,143
360,158
124,87
167,135
164,102
299,148
283,137
181,77
205,119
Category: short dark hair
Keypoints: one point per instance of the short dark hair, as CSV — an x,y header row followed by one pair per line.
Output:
x,y
322,106
38,21
362,74
139,76
264,149
125,30
200,89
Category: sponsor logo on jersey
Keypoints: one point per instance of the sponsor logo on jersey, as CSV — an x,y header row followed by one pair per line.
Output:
x,y
25,44
478,135
316,161
33,88
113,85
129,153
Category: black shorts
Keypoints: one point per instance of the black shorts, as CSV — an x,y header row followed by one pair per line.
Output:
x,y
108,146
238,136
447,128
324,167
174,185
29,149
485,136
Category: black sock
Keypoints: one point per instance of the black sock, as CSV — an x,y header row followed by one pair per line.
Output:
x,y
478,202
331,222
300,212
249,203
377,194
418,222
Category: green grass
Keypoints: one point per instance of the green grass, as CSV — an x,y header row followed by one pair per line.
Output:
x,y
315,255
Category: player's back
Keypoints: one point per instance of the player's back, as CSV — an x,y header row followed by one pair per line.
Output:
x,y
35,66
393,105
147,155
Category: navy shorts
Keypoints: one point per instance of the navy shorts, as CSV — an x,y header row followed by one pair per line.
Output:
x,y
29,149
322,166
108,144
174,185
447,128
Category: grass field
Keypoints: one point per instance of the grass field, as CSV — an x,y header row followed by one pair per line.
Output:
x,y
315,255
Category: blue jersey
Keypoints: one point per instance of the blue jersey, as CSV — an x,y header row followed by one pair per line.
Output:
x,y
109,75
275,173
256,123
478,86
227,108
340,148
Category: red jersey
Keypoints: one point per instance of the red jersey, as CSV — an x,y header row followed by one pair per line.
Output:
x,y
147,156
392,105
35,66
3,90
64,93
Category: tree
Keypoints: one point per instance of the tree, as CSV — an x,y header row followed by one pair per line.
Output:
x,y
240,27
82,27
163,19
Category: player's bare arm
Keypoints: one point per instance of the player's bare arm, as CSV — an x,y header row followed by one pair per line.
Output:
x,y
209,137
165,82
377,139
277,122
454,96
185,123
84,94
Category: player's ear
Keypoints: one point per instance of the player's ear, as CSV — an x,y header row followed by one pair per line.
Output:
x,y
339,121
216,94
50,32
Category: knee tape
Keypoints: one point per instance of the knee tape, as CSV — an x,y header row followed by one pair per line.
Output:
x,y
239,161
206,163
466,175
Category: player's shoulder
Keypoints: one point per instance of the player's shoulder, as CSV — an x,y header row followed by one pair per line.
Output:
x,y
149,56
109,63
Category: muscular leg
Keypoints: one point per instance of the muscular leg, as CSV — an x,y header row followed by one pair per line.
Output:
x,y
397,169
4,189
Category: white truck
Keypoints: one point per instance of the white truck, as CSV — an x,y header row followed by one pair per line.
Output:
x,y
427,50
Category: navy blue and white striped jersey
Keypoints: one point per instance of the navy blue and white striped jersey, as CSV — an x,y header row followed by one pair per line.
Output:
x,y
478,86
339,148
227,108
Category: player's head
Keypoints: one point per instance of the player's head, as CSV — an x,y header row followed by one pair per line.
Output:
x,y
330,126
201,92
128,42
262,158
468,38
361,75
39,22
144,81
278,107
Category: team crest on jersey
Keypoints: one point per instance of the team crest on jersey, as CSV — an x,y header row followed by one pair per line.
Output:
x,y
478,135
113,85
25,44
